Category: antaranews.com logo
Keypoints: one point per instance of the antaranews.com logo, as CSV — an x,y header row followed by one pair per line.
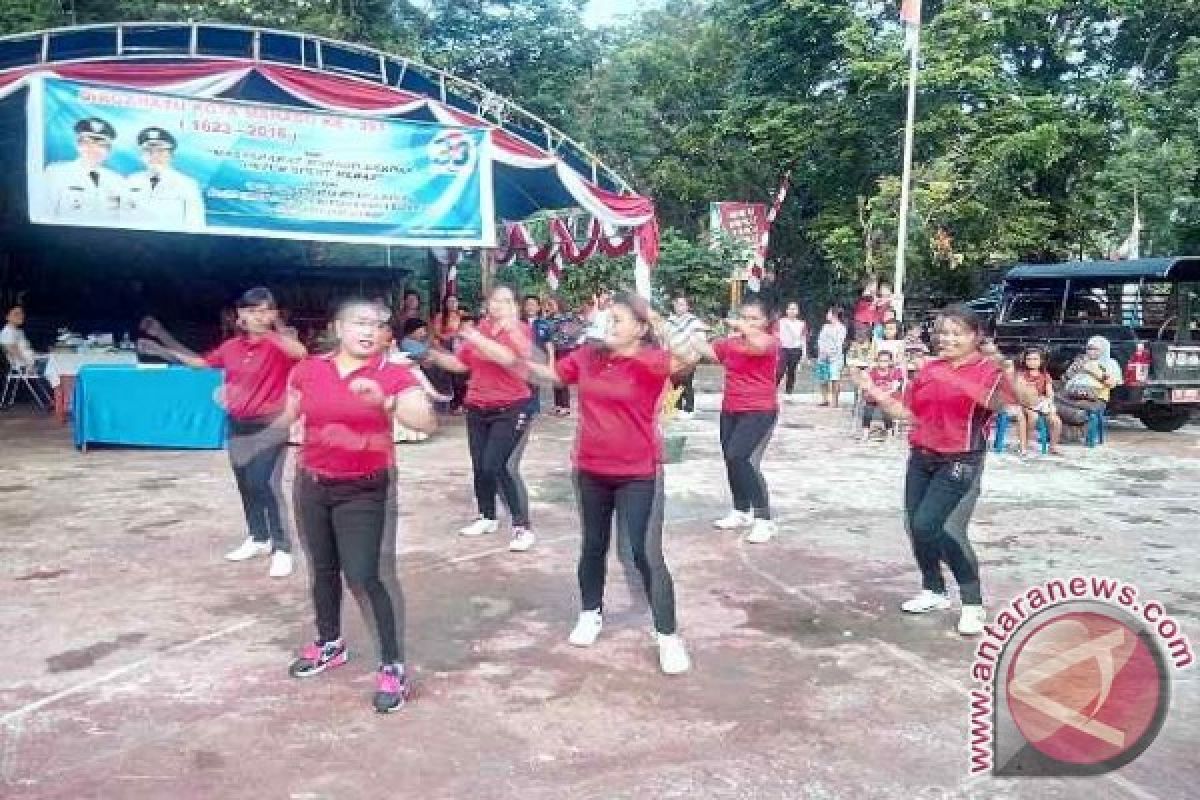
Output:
x,y
1074,678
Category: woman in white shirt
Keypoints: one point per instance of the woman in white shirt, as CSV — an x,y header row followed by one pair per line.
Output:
x,y
793,338
16,346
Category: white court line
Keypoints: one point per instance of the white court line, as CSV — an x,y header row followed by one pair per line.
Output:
x,y
116,673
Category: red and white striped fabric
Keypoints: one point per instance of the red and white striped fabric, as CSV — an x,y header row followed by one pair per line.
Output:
x,y
758,269
349,95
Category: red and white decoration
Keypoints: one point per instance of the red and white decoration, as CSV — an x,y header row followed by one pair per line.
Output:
x,y
349,95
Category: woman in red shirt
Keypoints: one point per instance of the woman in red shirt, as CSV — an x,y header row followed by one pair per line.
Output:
x,y
256,362
749,410
618,465
497,413
348,400
949,404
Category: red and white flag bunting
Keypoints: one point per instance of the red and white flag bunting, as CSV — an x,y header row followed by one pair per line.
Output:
x,y
758,269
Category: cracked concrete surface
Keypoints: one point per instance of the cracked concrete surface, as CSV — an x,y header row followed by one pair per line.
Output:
x,y
141,665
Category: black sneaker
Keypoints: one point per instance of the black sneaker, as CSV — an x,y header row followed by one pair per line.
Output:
x,y
315,658
392,689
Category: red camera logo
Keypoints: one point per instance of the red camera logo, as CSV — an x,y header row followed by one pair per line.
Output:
x,y
1085,688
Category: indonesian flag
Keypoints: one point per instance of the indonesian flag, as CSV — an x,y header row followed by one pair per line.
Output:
x,y
910,15
758,268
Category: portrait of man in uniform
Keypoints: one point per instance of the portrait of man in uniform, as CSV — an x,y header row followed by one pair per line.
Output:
x,y
161,197
82,191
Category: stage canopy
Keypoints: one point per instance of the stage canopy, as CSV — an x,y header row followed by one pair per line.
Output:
x,y
535,167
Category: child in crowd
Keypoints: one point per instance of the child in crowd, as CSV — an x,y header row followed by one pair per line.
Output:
x,y
1032,373
862,350
892,343
887,377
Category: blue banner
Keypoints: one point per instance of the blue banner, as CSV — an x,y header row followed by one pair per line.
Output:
x,y
120,158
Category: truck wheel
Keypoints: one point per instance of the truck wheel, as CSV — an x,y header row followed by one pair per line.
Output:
x,y
1164,419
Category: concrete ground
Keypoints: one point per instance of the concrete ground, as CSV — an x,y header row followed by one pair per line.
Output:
x,y
141,665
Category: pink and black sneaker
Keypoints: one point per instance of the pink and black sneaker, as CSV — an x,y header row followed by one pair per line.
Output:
x,y
392,689
315,658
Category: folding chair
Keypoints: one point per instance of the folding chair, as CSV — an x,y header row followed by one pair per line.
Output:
x,y
33,383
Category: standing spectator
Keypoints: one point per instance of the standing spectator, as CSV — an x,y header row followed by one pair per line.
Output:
x,y
831,348
411,308
682,325
566,333
883,305
793,337
600,317
445,329
864,309
539,331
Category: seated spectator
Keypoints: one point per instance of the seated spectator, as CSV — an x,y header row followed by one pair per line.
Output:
x,y
891,342
1088,382
1031,371
886,377
16,345
915,349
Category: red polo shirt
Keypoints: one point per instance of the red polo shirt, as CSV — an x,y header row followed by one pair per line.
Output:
x,y
256,375
344,436
619,400
750,376
490,384
949,404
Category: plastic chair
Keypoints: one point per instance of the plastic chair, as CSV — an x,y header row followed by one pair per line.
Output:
x,y
1004,420
18,377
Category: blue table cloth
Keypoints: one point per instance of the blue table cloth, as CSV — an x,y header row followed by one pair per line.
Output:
x,y
157,407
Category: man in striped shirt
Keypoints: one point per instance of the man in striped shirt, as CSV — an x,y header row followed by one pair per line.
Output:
x,y
682,325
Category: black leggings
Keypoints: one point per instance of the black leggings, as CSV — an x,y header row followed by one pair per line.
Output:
x,y
347,530
256,449
687,398
497,439
638,503
940,492
787,366
744,437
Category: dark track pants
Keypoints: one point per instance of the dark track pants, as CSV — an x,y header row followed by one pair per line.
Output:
x,y
788,363
940,492
344,525
744,438
638,506
496,438
256,453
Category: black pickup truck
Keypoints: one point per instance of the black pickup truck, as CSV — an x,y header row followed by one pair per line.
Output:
x,y
1147,309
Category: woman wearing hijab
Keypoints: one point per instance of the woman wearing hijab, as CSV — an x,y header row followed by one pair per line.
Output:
x,y
1088,382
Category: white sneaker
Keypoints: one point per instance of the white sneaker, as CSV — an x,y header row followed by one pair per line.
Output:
x,y
972,620
522,540
672,655
247,550
762,531
587,628
734,519
281,564
480,527
925,602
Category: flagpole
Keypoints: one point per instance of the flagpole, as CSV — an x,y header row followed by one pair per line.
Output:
x,y
906,177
